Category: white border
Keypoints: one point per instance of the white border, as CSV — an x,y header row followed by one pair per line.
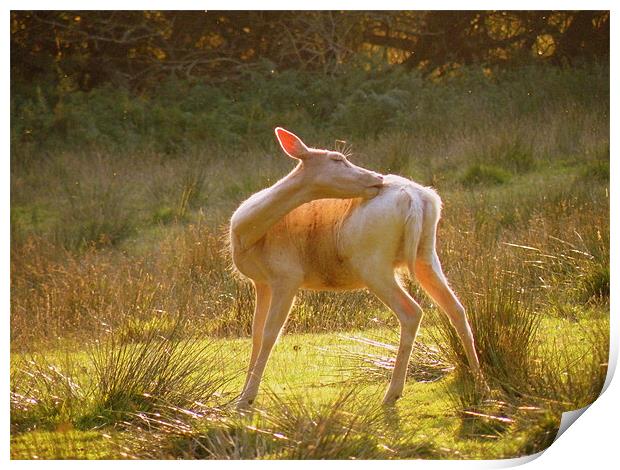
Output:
x,y
592,442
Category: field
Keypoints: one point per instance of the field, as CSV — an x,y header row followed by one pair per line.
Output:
x,y
130,330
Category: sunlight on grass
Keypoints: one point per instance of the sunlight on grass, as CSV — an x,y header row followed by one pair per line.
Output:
x,y
309,379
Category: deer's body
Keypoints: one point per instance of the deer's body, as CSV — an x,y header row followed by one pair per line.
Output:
x,y
326,243
335,226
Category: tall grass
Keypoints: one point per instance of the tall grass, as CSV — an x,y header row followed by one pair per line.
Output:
x,y
186,268
85,292
160,371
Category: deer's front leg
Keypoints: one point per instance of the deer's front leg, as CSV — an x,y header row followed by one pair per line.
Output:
x,y
263,298
282,298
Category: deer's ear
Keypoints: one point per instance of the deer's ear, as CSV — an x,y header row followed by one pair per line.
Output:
x,y
291,144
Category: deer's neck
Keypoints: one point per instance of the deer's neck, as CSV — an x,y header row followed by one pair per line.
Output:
x,y
253,219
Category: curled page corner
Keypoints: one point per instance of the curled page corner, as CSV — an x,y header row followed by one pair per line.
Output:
x,y
568,418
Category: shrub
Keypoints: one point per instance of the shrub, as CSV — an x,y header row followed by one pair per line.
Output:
x,y
595,284
481,175
369,113
180,114
595,170
516,157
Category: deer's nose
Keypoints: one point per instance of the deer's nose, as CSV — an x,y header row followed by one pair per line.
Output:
x,y
378,178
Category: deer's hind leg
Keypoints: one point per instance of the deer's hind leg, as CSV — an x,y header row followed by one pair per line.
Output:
x,y
409,314
429,274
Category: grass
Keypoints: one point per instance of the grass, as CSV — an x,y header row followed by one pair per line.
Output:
x,y
63,444
129,326
137,378
312,406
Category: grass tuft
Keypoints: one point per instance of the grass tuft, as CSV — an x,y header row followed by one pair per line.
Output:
x,y
44,395
595,285
337,429
161,371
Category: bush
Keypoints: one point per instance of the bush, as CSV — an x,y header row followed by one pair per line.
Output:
x,y
180,114
484,175
595,285
597,170
369,113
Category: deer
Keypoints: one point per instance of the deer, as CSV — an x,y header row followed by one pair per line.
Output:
x,y
331,225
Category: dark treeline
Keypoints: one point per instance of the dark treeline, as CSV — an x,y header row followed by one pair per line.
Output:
x,y
136,49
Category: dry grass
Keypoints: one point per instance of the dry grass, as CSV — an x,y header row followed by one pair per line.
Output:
x,y
106,237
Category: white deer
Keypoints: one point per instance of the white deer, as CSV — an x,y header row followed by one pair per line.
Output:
x,y
331,225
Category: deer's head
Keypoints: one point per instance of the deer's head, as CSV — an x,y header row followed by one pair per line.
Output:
x,y
328,174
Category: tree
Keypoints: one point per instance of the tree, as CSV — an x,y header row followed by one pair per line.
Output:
x,y
136,49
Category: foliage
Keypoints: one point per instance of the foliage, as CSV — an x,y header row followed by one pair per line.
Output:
x,y
484,175
86,49
180,115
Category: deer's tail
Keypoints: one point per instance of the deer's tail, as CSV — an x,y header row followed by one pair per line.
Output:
x,y
421,225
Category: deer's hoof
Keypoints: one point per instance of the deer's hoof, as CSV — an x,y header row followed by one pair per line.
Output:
x,y
482,387
390,399
244,404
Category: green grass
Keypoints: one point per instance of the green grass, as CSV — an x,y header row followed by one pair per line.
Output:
x,y
477,175
307,375
63,443
548,275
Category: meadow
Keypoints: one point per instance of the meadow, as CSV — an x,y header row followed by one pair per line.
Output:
x,y
130,329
